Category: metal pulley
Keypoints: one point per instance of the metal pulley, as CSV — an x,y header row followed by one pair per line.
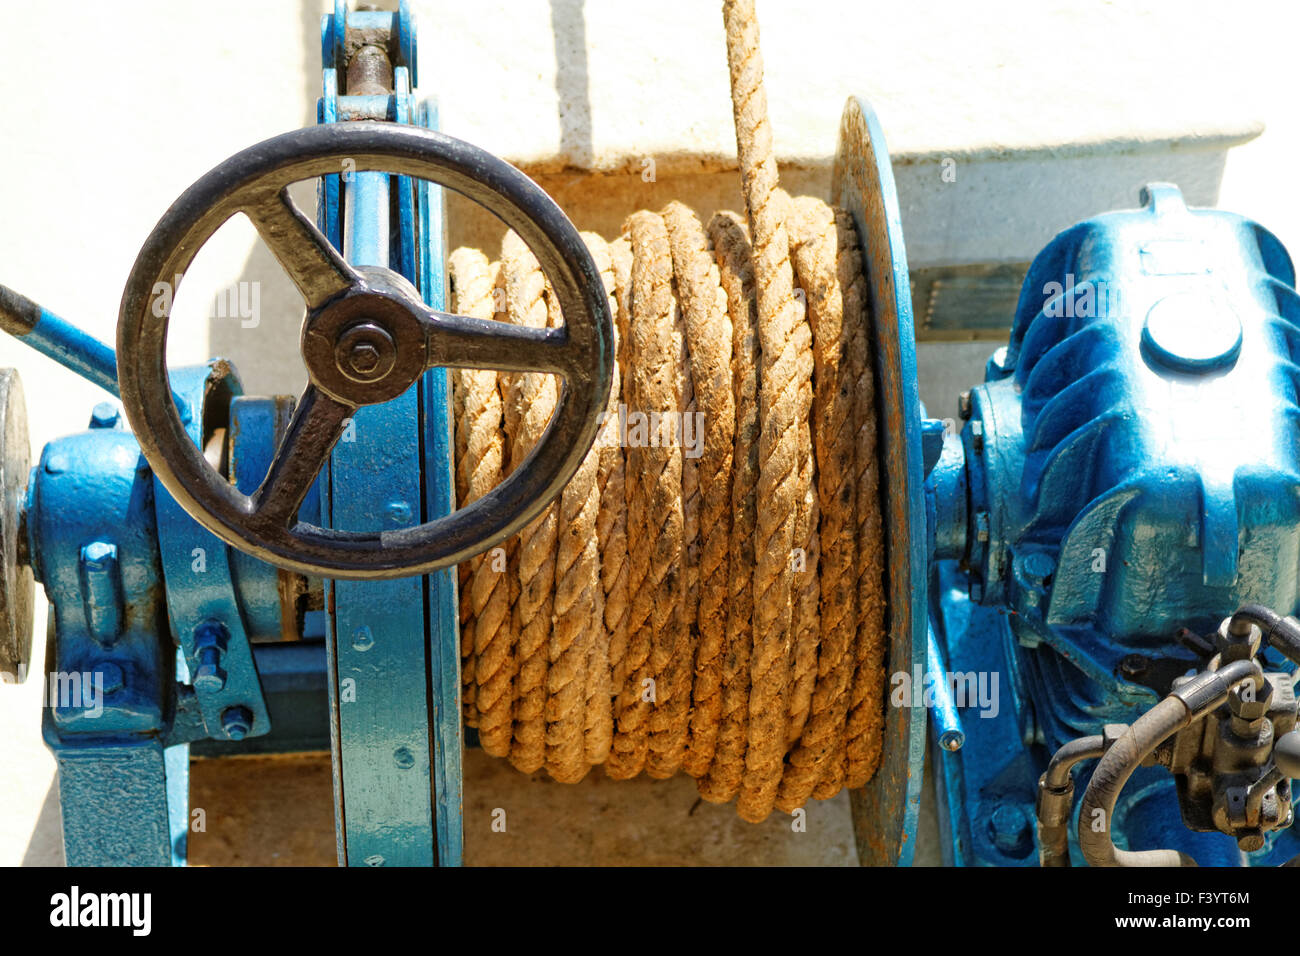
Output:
x,y
16,584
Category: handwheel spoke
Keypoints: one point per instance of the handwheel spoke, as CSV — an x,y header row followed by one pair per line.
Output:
x,y
313,264
318,421
461,341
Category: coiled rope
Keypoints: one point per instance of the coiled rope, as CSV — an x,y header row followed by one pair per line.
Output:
x,y
706,595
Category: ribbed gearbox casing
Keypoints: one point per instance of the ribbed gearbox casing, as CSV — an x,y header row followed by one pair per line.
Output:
x,y
1136,451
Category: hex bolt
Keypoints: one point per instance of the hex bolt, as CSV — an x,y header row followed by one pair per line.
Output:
x,y
1249,704
210,640
364,358
1237,642
237,721
365,352
1133,666
104,415
1009,828
209,676
101,591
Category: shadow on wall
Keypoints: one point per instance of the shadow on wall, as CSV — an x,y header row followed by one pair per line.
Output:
x,y
45,848
266,351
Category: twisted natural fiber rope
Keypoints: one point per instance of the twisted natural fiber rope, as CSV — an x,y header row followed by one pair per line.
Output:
x,y
530,401
708,334
609,608
816,263
655,516
782,341
867,715
706,594
480,445
721,781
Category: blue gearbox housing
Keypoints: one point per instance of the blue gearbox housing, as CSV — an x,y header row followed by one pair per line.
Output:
x,y
1127,478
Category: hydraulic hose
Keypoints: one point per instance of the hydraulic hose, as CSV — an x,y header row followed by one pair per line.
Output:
x,y
1192,700
1056,797
1278,631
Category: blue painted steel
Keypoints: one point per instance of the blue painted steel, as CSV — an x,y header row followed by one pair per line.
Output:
x,y
74,349
393,654
400,23
407,42
126,584
444,629
1126,480
1131,467
130,576
293,675
105,712
327,111
80,352
945,722
176,766
198,573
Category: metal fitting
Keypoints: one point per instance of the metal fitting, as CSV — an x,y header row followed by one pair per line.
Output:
x,y
237,722
1237,640
210,640
101,591
1011,830
104,415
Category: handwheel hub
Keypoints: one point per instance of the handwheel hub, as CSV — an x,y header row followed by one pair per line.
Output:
x,y
367,345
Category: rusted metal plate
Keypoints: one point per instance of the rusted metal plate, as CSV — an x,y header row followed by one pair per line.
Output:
x,y
885,811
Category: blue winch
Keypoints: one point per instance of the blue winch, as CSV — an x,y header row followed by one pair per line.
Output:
x,y
1099,564
1126,478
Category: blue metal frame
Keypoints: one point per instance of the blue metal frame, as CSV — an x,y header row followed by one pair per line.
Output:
x,y
131,580
392,649
440,498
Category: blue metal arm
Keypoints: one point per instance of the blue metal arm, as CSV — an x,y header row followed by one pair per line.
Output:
x,y
59,339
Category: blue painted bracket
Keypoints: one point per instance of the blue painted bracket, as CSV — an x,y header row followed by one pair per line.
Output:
x,y
130,578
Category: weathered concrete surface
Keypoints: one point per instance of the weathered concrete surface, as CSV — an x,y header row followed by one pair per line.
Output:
x,y
278,811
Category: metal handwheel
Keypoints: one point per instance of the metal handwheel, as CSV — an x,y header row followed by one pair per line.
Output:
x,y
367,337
